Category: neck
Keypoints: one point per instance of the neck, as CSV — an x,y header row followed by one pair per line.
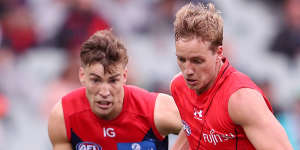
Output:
x,y
211,83
219,66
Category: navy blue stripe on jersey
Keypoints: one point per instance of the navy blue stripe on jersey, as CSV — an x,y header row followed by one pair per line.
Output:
x,y
160,145
75,139
150,142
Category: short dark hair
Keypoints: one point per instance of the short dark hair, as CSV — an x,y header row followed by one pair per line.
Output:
x,y
103,47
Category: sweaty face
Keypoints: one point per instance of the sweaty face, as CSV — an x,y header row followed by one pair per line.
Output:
x,y
198,64
104,90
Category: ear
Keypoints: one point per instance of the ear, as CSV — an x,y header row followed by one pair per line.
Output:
x,y
81,75
219,52
125,75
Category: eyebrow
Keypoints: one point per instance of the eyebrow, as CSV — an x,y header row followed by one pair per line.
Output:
x,y
178,55
194,57
93,74
114,76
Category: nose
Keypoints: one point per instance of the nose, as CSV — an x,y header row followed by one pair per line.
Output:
x,y
188,69
104,90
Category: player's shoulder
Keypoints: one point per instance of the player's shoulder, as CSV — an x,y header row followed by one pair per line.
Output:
x,y
75,101
247,98
56,125
57,109
56,114
74,97
139,95
75,93
177,81
134,89
235,82
239,78
138,101
244,102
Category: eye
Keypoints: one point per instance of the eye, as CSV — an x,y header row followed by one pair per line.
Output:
x,y
113,80
181,59
197,61
95,80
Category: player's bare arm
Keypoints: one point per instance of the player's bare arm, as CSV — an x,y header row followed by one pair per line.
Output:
x,y
248,109
166,115
57,130
181,142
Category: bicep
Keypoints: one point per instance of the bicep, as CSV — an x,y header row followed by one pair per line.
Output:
x,y
166,116
57,130
248,109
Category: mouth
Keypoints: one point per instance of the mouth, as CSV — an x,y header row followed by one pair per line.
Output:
x,y
103,104
191,82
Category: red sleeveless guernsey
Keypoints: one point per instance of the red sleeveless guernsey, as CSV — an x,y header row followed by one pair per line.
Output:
x,y
133,129
205,117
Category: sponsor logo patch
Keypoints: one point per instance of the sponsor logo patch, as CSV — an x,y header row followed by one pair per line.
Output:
x,y
144,145
186,128
88,146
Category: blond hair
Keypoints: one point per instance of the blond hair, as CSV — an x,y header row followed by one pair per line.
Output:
x,y
194,21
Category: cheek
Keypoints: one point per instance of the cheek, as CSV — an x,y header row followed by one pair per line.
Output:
x,y
116,88
91,87
91,90
203,72
180,65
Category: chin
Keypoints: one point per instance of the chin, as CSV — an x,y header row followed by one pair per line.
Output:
x,y
193,87
101,113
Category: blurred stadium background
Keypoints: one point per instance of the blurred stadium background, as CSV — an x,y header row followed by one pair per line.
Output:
x,y
39,41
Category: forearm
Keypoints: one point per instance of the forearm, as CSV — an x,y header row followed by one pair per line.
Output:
x,y
181,142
